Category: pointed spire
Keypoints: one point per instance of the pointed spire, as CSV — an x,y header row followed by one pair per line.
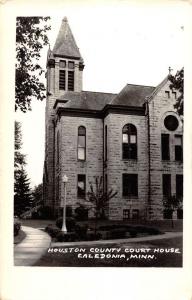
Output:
x,y
65,44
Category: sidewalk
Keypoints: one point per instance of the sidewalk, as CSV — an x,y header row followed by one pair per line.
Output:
x,y
36,243
32,247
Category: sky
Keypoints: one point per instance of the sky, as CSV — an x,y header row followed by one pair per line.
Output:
x,y
120,43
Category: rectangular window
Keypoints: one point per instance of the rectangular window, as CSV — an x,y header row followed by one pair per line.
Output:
x,y
62,79
105,142
178,148
174,95
166,185
81,185
130,185
179,186
106,183
135,214
81,147
167,93
71,65
81,153
62,64
70,80
126,214
165,152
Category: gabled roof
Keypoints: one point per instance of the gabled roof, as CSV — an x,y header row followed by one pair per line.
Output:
x,y
86,100
133,95
156,90
65,44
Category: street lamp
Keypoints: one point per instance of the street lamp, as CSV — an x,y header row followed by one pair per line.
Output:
x,y
64,180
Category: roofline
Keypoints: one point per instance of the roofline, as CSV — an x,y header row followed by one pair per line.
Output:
x,y
149,98
119,109
66,56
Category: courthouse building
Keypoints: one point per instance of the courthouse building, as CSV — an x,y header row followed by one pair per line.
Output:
x,y
132,139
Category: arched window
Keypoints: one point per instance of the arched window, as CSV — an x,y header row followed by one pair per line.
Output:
x,y
129,143
81,143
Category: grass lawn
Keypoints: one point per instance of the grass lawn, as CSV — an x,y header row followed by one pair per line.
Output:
x,y
126,258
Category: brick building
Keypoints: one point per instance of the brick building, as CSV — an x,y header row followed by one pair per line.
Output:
x,y
132,139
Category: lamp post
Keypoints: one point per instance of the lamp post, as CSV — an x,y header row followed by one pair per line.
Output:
x,y
64,180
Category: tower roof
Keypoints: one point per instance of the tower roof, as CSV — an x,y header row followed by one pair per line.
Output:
x,y
65,44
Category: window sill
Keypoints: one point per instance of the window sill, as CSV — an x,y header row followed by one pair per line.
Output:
x,y
130,159
130,197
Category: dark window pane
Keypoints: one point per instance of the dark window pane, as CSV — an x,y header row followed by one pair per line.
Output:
x,y
167,93
81,144
165,153
171,123
178,148
178,153
126,214
62,64
179,214
179,186
135,214
166,185
81,141
71,65
129,151
81,185
58,141
81,130
130,185
62,79
129,143
70,81
106,183
167,214
105,142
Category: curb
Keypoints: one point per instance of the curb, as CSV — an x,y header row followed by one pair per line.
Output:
x,y
120,241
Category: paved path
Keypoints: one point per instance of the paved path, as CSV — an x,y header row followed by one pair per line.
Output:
x,y
32,247
166,235
37,242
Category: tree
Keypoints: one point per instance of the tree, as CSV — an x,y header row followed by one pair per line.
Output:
x,y
98,199
171,204
22,196
19,158
177,84
37,194
31,36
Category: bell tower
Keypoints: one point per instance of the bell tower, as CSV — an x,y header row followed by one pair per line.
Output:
x,y
64,63
64,74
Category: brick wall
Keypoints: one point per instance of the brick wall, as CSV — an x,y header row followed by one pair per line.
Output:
x,y
116,166
69,163
159,108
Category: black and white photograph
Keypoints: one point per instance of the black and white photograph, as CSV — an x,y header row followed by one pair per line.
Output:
x,y
99,137
108,188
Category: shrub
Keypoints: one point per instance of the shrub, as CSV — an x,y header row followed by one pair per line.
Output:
x,y
66,237
16,227
91,236
117,233
81,231
69,211
70,223
46,212
133,232
52,230
81,213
